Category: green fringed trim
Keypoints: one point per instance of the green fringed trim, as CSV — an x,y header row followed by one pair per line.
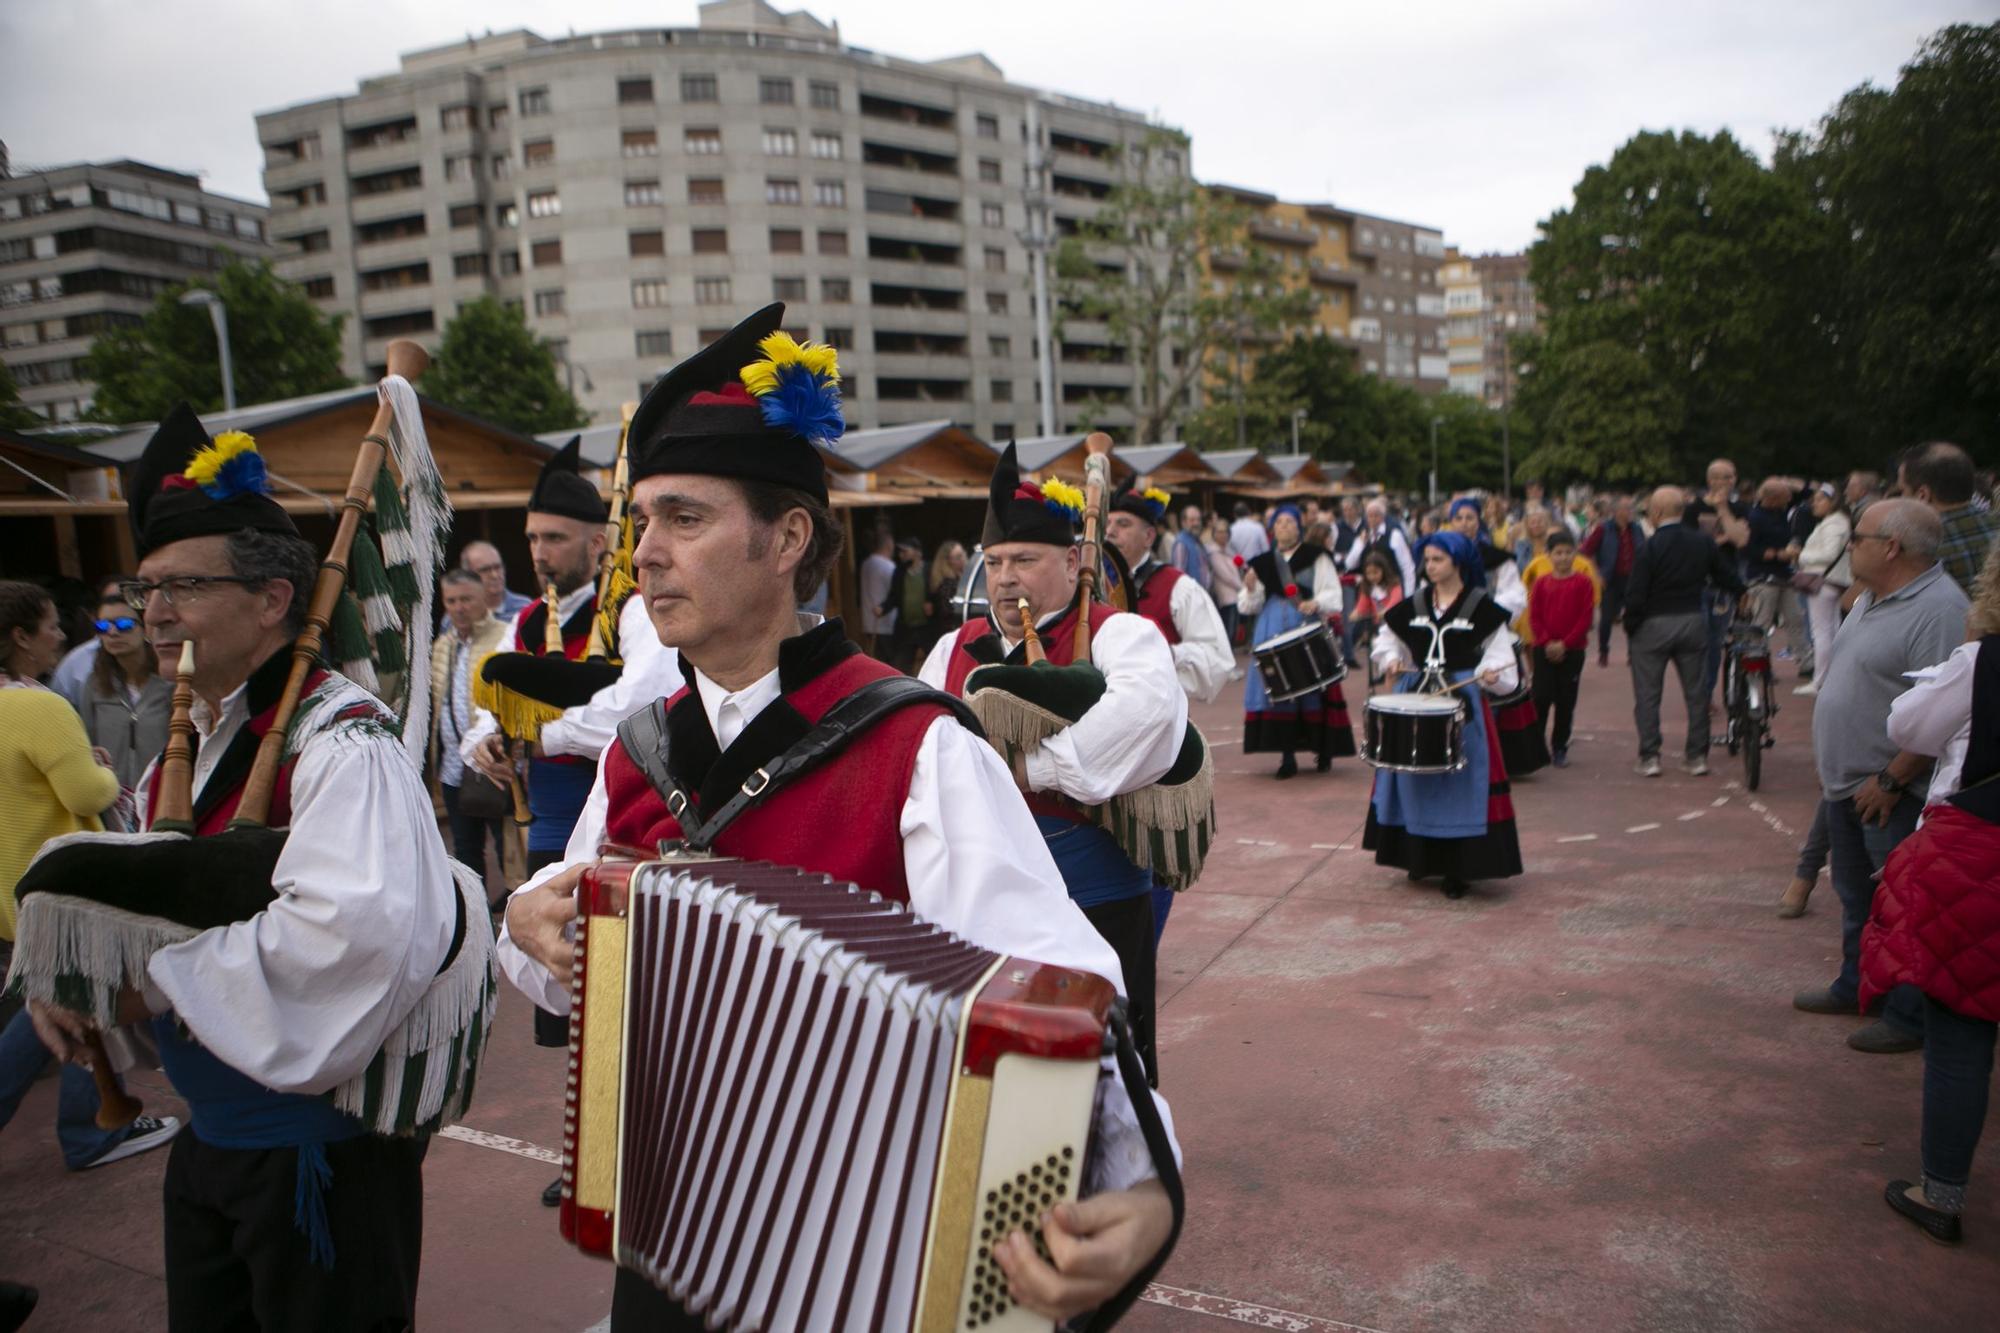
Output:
x,y
399,552
347,647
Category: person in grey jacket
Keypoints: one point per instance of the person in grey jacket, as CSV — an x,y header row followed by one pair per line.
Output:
x,y
124,700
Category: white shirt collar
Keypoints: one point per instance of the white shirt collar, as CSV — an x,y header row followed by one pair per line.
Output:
x,y
235,708
729,713
570,602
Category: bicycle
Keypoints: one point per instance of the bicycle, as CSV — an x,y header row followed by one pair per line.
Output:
x,y
1748,697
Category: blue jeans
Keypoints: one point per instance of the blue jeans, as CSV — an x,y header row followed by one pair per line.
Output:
x,y
22,1058
1857,851
1958,1069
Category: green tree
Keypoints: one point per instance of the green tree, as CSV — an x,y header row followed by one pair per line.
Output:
x,y
1909,180
489,363
1680,272
15,414
1136,266
280,346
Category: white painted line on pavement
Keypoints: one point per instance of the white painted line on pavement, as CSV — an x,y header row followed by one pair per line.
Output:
x,y
1692,814
1579,837
1642,828
1243,1312
1719,802
479,1138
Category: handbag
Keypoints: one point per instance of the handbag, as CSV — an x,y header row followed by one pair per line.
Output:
x,y
479,797
1807,583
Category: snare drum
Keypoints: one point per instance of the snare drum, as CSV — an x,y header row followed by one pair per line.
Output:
x,y
1415,733
1299,661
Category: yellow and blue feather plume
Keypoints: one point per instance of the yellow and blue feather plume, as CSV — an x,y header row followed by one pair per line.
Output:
x,y
798,387
230,466
1063,500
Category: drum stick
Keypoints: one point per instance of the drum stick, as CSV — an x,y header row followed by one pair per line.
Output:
x,y
1439,694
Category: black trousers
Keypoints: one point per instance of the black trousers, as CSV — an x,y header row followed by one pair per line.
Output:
x,y
1554,689
236,1263
1127,926
468,832
1612,611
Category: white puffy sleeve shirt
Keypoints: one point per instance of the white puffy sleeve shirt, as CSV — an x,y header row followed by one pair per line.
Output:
x,y
1934,717
976,865
1202,659
1389,653
302,995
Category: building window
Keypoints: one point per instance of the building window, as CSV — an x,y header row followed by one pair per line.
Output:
x,y
705,190
653,342
826,96
534,101
774,92
779,190
787,241
635,92
788,289
830,194
697,87
989,170
460,167
840,339
989,127
465,215
546,254
496,115
702,143
996,259
639,143
538,152
506,215
711,240
544,204
502,167
549,302
999,345
455,118
641,194
321,289
312,242
826,146
992,215
645,244
1002,391
649,293
469,266
510,263
996,303
836,291
711,291
781,143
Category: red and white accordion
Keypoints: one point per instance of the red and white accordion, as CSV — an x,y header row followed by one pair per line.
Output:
x,y
794,1104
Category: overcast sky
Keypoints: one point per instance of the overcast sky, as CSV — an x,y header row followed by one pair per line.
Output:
x,y
1475,116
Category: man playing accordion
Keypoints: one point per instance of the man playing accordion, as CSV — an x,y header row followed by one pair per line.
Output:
x,y
730,495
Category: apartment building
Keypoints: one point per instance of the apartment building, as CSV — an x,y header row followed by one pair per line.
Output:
x,y
1376,279
1488,300
635,192
89,247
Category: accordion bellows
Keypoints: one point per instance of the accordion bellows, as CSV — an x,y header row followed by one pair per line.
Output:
x,y
794,1104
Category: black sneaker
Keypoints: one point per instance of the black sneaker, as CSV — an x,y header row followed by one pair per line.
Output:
x,y
1936,1224
1821,1000
17,1302
1560,758
148,1133
1884,1038
553,1194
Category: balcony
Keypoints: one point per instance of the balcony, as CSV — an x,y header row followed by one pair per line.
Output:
x,y
890,296
904,158
921,369
1265,229
1226,261
1329,275
918,276
904,389
913,115
1076,187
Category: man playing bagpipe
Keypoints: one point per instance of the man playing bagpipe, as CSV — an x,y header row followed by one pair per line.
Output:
x,y
1108,722
1179,606
315,973
734,528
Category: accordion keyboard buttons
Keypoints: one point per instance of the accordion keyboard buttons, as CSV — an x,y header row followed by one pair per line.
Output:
x,y
1014,1205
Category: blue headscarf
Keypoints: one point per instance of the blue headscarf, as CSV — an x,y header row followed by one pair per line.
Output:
x,y
1272,524
1463,553
1467,502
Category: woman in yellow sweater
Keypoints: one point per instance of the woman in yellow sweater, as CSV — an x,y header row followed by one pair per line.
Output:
x,y
52,784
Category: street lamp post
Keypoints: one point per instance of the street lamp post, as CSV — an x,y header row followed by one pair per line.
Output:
x,y
1435,423
1298,415
219,316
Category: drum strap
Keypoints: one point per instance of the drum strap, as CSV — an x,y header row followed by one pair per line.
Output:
x,y
644,736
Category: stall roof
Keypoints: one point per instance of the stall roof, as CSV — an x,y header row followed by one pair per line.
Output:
x,y
1169,465
1244,465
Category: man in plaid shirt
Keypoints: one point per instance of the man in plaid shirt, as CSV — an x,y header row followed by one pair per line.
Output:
x,y
1941,475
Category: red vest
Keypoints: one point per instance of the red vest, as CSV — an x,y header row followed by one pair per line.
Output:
x,y
1156,596
1059,642
842,819
533,640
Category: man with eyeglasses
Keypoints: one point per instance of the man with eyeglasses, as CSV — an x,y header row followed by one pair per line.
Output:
x,y
1910,615
483,559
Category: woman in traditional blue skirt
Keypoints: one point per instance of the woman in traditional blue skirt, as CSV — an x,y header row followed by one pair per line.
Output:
x,y
1458,825
1281,591
1517,720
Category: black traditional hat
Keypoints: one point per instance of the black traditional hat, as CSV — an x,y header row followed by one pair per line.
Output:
x,y
1021,511
751,405
562,490
1148,505
186,485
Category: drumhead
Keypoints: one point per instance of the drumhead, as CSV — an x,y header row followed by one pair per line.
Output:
x,y
1413,704
1310,629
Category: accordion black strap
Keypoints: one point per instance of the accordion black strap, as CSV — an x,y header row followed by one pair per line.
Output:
x,y
1133,1074
644,736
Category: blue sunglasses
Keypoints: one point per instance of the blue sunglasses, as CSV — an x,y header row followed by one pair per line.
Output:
x,y
121,624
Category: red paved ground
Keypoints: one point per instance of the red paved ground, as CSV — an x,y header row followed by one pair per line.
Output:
x,y
1579,1099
